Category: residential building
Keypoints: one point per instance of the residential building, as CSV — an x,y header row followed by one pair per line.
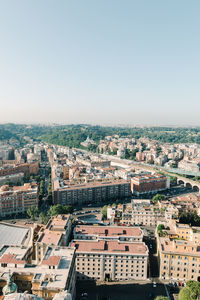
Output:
x,y
25,168
17,199
149,183
91,192
179,259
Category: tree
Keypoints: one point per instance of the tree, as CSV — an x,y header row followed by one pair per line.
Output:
x,y
160,230
161,227
104,212
157,197
190,218
32,212
43,218
191,291
59,210
162,298
173,180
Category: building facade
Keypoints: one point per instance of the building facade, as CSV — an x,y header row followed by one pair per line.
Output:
x,y
92,192
18,199
110,260
149,183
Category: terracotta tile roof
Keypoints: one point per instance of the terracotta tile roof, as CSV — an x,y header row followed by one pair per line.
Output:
x,y
109,247
52,261
108,230
10,259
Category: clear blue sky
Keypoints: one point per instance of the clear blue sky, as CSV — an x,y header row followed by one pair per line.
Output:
x,y
100,61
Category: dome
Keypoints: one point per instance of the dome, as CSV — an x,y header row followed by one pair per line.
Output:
x,y
10,287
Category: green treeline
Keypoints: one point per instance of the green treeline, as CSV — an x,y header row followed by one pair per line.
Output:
x,y
73,135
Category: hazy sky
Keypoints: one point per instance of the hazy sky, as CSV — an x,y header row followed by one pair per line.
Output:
x,y
100,61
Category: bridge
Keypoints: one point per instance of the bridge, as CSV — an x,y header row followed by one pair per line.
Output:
x,y
188,183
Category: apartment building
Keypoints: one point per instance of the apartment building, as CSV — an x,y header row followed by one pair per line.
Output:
x,y
147,216
93,163
92,192
171,212
13,178
149,183
141,213
110,260
25,168
182,231
109,233
179,259
17,199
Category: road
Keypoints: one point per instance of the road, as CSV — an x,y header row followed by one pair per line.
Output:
x,y
120,290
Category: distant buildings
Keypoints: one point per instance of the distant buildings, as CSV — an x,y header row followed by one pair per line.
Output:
x,y
25,168
191,166
88,142
140,213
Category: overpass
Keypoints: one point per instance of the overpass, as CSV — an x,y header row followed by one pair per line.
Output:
x,y
188,183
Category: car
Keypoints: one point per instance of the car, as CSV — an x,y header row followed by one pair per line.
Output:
x,y
84,294
154,284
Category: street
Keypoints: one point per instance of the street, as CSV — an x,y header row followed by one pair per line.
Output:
x,y
120,290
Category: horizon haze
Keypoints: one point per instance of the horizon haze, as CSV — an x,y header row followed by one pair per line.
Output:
x,y
100,62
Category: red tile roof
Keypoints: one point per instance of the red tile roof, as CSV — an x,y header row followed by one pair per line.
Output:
x,y
109,247
52,261
108,230
10,259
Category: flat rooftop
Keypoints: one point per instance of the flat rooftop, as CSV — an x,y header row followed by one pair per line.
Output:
x,y
58,222
94,184
148,177
50,237
62,257
179,247
108,230
113,247
13,235
59,256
